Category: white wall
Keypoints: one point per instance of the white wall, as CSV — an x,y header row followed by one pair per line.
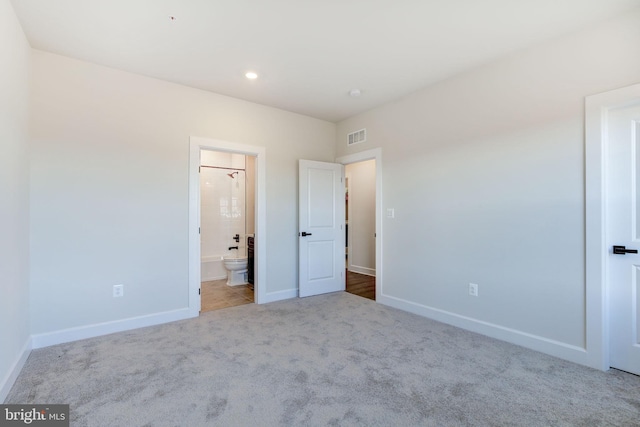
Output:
x,y
362,216
109,194
486,175
14,197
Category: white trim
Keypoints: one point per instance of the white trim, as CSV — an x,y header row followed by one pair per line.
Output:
x,y
195,145
280,295
554,348
12,375
597,308
211,278
105,328
375,154
362,270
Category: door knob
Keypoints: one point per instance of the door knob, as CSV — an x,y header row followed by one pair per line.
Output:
x,y
304,234
621,250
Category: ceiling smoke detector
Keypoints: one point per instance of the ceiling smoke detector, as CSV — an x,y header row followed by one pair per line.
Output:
x,y
354,93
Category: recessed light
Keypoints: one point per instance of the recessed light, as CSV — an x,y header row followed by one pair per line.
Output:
x,y
251,75
354,93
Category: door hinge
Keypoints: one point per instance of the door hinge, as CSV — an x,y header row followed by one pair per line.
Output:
x,y
199,168
198,291
198,230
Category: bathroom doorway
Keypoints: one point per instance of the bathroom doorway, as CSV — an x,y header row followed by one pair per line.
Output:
x,y
252,160
227,229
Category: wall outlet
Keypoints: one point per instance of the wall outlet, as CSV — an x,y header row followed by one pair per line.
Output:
x,y
473,289
118,291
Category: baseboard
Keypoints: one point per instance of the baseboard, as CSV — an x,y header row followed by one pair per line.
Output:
x,y
211,278
98,329
534,342
280,295
12,375
362,270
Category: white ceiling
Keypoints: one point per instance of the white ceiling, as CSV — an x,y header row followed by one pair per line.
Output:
x,y
309,53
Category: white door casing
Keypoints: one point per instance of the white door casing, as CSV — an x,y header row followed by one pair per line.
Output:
x,y
623,229
321,228
195,145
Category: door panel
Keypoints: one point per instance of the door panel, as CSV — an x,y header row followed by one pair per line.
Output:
x,y
321,212
623,225
321,222
321,250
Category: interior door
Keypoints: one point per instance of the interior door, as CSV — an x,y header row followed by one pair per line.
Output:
x,y
321,234
623,232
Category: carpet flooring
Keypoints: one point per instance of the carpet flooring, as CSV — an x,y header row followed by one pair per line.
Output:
x,y
334,359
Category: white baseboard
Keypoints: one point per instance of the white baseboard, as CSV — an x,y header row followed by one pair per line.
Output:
x,y
534,342
362,270
98,329
280,295
12,375
211,278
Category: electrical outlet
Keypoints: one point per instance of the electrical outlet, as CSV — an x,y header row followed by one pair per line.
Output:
x,y
473,289
118,291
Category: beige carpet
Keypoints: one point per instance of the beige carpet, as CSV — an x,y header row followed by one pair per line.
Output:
x,y
336,359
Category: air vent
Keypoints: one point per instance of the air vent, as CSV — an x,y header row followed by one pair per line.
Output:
x,y
357,137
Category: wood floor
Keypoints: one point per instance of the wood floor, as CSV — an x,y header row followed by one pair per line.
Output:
x,y
361,285
217,294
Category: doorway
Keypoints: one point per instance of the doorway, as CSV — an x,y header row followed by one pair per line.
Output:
x,y
197,144
364,258
360,215
227,229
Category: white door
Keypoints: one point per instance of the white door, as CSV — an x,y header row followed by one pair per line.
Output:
x,y
321,233
623,230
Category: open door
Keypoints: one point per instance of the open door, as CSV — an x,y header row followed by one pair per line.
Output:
x,y
321,232
623,237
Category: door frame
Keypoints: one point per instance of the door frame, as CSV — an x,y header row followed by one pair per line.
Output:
x,y
597,109
373,154
195,145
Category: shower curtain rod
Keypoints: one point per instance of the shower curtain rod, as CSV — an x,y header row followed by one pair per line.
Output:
x,y
220,167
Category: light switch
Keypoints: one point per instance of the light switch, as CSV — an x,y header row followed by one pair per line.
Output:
x,y
391,213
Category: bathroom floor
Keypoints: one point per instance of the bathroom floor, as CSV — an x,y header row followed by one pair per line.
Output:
x,y
216,294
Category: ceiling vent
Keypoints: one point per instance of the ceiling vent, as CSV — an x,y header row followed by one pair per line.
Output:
x,y
357,137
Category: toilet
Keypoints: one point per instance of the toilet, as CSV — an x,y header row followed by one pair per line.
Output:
x,y
236,270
